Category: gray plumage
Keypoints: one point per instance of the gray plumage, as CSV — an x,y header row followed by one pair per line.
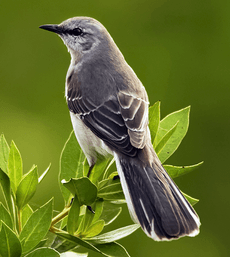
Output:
x,y
109,111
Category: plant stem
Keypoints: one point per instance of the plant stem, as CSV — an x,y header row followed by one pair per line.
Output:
x,y
19,221
55,230
60,216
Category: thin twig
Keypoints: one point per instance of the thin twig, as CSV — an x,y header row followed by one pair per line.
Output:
x,y
60,216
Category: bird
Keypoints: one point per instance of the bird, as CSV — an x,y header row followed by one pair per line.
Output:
x,y
108,107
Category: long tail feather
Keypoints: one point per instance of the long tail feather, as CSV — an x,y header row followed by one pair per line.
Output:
x,y
154,201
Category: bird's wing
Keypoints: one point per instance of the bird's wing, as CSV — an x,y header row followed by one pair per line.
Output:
x,y
134,112
120,121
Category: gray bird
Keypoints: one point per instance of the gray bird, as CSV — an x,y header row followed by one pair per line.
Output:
x,y
109,111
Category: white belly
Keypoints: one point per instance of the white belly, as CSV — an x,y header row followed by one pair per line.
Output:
x,y
90,144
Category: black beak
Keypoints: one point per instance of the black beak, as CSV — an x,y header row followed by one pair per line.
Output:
x,y
54,28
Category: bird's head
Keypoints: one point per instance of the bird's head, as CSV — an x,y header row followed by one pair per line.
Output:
x,y
82,36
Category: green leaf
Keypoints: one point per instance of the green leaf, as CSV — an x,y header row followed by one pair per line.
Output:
x,y
5,185
80,224
112,191
85,190
4,153
44,174
100,167
5,216
27,187
43,251
165,139
37,226
109,180
154,120
63,246
9,244
73,216
182,117
26,213
110,212
86,222
95,228
176,171
103,183
98,210
85,168
113,250
114,174
190,199
71,164
50,239
14,166
77,241
109,169
41,244
114,235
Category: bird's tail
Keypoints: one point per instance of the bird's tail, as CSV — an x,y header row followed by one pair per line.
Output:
x,y
154,201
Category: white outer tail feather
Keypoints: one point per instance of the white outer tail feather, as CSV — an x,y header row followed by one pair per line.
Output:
x,y
129,201
132,212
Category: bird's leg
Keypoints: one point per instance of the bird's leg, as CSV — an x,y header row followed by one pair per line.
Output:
x,y
89,172
90,169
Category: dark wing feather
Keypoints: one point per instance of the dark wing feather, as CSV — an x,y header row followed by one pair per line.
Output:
x,y
105,121
120,121
110,127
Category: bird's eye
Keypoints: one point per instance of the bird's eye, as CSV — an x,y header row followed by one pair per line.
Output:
x,y
77,32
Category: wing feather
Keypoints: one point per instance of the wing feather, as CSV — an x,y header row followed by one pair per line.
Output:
x,y
130,112
134,110
121,121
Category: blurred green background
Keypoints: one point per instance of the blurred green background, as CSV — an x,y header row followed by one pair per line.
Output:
x,y
180,51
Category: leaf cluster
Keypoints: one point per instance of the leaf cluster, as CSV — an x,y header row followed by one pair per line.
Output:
x,y
92,200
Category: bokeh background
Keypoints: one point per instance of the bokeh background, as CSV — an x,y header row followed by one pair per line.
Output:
x,y
180,51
